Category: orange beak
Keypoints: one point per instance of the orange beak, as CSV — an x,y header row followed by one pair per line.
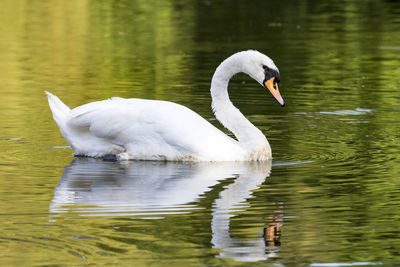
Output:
x,y
273,88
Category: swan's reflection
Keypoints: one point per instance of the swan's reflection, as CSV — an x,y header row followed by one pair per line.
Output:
x,y
148,188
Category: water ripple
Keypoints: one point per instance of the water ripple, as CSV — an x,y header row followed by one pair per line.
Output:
x,y
357,111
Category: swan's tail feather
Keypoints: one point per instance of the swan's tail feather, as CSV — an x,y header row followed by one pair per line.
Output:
x,y
58,108
60,115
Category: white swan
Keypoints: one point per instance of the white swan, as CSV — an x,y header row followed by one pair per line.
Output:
x,y
160,130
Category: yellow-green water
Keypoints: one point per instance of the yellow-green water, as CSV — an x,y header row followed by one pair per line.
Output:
x,y
331,192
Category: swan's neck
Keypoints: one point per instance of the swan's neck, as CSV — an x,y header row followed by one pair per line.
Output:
x,y
247,134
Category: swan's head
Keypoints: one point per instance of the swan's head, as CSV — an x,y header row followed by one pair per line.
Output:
x,y
262,69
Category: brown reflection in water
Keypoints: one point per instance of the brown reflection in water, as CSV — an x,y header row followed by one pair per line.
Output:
x,y
272,233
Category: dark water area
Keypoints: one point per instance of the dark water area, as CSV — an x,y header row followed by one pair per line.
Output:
x,y
329,197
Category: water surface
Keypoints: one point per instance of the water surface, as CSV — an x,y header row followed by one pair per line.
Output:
x,y
329,197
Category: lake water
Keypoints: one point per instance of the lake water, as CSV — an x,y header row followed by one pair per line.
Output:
x,y
329,197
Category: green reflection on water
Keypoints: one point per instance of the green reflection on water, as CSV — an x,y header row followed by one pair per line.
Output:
x,y
340,79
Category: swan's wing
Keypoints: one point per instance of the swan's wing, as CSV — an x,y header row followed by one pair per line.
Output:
x,y
148,125
106,119
117,116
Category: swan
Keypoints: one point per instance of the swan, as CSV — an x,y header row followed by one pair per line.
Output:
x,y
139,129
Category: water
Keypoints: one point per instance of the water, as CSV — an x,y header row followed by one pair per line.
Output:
x,y
330,196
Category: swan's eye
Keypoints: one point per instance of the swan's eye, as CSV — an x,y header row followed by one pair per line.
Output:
x,y
265,67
